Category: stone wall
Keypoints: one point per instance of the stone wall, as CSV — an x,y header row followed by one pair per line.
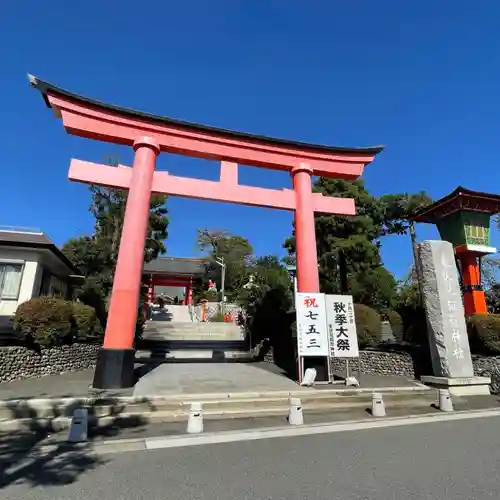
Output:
x,y
485,365
379,363
20,362
400,364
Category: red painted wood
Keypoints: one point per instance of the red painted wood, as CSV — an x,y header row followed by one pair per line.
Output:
x,y
474,300
305,232
226,191
123,308
170,283
106,125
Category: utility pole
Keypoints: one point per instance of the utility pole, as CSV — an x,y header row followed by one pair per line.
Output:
x,y
222,264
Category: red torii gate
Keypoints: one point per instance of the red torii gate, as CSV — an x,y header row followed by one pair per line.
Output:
x,y
149,135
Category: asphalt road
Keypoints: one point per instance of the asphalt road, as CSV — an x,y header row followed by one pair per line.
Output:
x,y
448,460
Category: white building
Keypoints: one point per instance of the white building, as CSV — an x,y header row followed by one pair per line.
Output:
x,y
31,265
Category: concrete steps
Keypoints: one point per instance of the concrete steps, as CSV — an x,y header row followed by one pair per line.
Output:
x,y
160,350
197,341
193,356
164,331
56,413
178,314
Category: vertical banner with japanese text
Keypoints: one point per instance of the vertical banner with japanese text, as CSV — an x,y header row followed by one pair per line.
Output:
x,y
312,337
342,336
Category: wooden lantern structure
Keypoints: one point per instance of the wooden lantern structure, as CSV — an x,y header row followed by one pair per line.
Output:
x,y
463,219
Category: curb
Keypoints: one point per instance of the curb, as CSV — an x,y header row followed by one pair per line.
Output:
x,y
167,416
305,392
253,434
56,414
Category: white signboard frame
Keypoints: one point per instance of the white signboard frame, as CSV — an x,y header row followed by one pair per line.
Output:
x,y
312,333
341,326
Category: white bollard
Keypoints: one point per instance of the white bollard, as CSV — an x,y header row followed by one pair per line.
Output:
x,y
309,377
378,407
79,426
445,402
195,419
295,416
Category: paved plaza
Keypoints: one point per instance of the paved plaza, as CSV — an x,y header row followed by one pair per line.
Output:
x,y
203,378
178,379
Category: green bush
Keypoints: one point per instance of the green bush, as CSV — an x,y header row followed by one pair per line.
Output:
x,y
84,319
52,322
86,323
45,321
368,325
484,333
396,322
415,326
217,318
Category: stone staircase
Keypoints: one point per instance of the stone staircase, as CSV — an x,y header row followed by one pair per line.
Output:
x,y
173,314
169,340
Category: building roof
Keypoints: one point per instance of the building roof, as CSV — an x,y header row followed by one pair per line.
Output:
x,y
48,88
175,266
460,199
33,238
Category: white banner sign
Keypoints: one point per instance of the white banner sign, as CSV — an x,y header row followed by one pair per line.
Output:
x,y
312,336
342,336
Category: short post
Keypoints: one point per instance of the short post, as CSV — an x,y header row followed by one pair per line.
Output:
x,y
309,377
350,381
445,402
378,407
195,419
295,416
79,426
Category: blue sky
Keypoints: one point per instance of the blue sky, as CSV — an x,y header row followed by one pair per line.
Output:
x,y
421,77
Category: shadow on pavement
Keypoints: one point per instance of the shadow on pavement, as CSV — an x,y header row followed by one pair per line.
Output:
x,y
28,456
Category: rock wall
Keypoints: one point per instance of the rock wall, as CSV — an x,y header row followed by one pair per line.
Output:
x,y
20,362
379,363
400,364
485,365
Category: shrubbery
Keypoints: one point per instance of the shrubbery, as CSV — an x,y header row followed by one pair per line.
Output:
x,y
218,317
85,319
368,325
51,322
415,325
396,322
484,333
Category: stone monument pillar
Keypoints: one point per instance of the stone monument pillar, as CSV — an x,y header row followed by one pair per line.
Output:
x,y
449,344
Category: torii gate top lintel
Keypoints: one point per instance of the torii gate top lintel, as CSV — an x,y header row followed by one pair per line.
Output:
x,y
92,119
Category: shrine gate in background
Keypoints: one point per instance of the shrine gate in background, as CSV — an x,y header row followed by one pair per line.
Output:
x,y
149,135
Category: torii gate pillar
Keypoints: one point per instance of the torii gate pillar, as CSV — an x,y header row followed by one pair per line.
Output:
x,y
305,231
118,354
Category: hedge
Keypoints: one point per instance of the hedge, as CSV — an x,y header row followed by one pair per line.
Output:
x,y
86,323
52,322
368,325
415,323
396,322
484,333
